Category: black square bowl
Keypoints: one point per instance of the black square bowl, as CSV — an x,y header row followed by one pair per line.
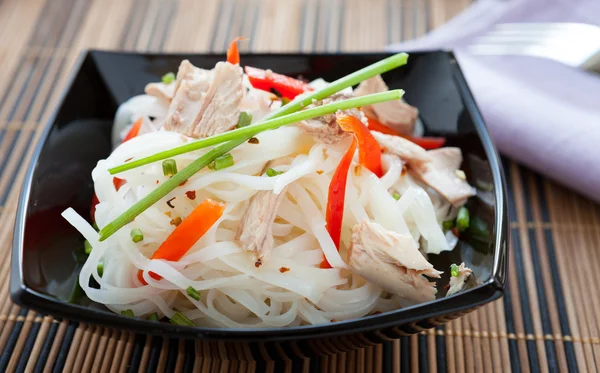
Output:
x,y
44,268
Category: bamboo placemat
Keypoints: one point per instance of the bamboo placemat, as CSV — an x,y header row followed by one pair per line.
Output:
x,y
548,320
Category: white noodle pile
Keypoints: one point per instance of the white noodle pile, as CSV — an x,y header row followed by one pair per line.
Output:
x,y
288,289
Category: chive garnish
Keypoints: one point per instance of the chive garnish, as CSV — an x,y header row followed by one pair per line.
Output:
x,y
168,78
180,319
169,167
396,196
271,172
237,137
454,271
448,224
128,313
221,162
152,317
299,103
229,140
462,219
245,119
136,235
193,293
247,132
87,247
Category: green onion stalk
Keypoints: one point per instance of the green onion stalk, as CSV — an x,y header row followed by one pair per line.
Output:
x,y
225,142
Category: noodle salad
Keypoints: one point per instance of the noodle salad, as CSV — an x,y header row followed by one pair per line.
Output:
x,y
239,197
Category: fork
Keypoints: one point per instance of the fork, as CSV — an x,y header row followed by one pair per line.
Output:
x,y
573,44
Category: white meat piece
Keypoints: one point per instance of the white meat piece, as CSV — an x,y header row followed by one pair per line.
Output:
x,y
395,114
440,174
325,128
393,262
457,283
408,151
205,103
255,230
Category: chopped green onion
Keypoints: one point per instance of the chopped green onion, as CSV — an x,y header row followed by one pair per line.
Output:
x,y
180,319
95,226
448,224
478,228
136,235
462,219
193,293
169,167
271,172
87,247
299,103
128,313
396,196
221,162
153,317
454,272
245,119
168,78
100,268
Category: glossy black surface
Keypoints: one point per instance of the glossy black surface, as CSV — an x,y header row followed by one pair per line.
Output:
x,y
43,265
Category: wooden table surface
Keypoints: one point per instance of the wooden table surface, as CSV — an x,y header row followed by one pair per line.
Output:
x,y
548,320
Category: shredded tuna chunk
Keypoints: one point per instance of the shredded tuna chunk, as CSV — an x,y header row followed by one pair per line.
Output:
x,y
440,174
409,152
393,262
255,230
457,283
325,128
161,90
205,103
396,114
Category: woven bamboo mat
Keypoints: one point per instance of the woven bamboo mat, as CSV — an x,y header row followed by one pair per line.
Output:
x,y
548,320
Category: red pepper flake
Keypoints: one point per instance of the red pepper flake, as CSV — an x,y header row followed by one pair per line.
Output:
x,y
175,221
404,170
157,181
169,202
253,140
258,263
183,183
128,159
191,194
283,269
319,172
447,287
358,170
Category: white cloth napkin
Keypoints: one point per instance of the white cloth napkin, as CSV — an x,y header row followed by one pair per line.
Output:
x,y
541,113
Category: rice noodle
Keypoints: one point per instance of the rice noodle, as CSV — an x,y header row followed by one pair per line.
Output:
x,y
288,289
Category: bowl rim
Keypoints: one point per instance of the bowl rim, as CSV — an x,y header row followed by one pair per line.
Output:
x,y
492,289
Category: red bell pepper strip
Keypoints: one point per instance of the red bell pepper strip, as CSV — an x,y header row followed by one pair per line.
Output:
x,y
270,81
369,151
427,143
187,233
335,198
135,129
233,53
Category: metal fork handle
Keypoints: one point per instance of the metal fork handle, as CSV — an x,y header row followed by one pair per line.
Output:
x,y
592,63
